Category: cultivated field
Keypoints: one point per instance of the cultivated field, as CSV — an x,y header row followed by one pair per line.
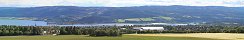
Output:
x,y
226,36
83,37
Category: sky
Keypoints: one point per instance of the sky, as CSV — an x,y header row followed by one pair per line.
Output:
x,y
119,3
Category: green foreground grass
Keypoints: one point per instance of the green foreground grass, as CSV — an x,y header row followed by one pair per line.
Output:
x,y
83,37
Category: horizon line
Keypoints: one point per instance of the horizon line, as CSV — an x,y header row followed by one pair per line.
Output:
x,y
124,6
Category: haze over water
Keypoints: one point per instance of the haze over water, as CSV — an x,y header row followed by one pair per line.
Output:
x,y
23,22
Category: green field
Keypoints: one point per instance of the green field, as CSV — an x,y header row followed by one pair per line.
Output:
x,y
134,19
83,37
166,18
120,20
145,19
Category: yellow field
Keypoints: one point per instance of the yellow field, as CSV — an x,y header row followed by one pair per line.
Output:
x,y
227,36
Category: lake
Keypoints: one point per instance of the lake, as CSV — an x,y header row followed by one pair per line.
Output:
x,y
43,23
23,22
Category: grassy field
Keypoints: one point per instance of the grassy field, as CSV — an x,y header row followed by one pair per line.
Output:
x,y
83,37
147,19
166,18
225,36
120,20
144,19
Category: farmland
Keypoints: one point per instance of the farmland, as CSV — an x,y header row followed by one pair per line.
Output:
x,y
225,36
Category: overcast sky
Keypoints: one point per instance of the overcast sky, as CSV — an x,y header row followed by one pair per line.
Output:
x,y
119,3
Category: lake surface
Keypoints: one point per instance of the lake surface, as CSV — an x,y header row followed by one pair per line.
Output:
x,y
43,23
23,22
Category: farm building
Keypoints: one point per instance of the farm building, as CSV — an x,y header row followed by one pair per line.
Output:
x,y
148,28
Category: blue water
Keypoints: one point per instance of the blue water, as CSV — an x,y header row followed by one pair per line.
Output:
x,y
23,22
42,23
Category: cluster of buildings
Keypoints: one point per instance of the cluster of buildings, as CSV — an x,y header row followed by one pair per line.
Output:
x,y
148,28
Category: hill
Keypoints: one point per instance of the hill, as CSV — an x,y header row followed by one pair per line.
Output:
x,y
141,14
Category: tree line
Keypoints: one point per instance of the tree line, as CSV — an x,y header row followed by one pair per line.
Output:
x,y
190,29
6,30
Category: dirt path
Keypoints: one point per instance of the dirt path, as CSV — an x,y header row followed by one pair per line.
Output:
x,y
230,36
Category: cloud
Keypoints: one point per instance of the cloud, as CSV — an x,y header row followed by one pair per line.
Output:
x,y
119,3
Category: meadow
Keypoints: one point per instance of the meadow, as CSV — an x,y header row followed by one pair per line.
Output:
x,y
224,36
85,37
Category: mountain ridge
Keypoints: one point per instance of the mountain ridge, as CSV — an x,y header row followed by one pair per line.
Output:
x,y
83,15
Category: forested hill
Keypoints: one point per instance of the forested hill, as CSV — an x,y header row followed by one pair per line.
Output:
x,y
140,14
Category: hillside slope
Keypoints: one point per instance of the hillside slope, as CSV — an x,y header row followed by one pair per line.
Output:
x,y
142,14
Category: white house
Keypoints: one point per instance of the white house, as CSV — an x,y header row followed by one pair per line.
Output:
x,y
148,28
